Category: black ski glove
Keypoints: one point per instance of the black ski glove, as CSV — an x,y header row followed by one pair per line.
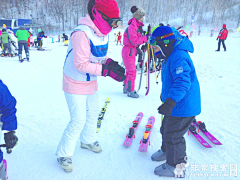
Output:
x,y
10,139
114,70
166,108
217,39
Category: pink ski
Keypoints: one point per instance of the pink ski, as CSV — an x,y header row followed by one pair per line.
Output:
x,y
192,129
145,141
132,130
200,125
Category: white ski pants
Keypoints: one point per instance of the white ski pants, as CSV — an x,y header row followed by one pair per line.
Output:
x,y
84,110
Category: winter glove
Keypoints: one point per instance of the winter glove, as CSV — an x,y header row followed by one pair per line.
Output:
x,y
10,139
114,70
166,108
144,47
217,39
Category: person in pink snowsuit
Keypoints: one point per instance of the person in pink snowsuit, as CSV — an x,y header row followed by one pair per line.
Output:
x,y
133,37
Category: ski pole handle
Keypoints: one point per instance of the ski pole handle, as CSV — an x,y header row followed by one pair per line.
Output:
x,y
9,150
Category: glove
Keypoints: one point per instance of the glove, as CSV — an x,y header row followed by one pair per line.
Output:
x,y
10,139
166,108
217,39
114,70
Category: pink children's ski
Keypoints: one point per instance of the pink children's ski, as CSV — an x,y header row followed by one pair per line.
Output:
x,y
145,141
201,125
192,129
132,130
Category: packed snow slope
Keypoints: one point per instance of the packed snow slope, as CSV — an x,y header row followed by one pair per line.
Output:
x,y
43,115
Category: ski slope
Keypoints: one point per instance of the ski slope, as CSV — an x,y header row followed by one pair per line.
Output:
x,y
43,115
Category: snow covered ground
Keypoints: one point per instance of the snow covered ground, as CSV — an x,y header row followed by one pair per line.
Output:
x,y
43,115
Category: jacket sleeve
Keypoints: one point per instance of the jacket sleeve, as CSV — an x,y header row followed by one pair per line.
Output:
x,y
81,54
180,71
134,37
10,38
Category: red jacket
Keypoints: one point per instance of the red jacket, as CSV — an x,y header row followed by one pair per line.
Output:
x,y
223,33
119,36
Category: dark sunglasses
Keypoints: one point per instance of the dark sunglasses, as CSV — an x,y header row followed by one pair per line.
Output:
x,y
113,22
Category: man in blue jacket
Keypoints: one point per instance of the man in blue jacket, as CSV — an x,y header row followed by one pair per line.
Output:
x,y
8,122
180,96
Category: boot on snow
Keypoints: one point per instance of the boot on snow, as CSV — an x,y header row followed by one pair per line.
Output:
x,y
159,156
95,147
66,163
27,56
132,94
165,170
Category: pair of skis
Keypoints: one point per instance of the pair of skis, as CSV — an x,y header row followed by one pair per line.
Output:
x,y
201,126
101,115
145,141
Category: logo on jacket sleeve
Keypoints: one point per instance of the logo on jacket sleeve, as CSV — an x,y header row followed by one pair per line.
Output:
x,y
179,70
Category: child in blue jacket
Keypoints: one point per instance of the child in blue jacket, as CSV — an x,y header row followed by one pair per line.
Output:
x,y
180,96
8,122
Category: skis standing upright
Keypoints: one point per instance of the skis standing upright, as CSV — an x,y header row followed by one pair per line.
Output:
x,y
132,130
140,82
201,125
145,141
148,71
101,115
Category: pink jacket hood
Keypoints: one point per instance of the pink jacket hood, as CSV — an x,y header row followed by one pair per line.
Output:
x,y
135,22
88,21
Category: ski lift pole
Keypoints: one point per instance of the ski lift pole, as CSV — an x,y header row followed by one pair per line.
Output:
x,y
154,65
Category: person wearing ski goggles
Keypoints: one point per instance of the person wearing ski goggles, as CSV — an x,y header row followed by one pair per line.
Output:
x,y
87,59
180,97
113,22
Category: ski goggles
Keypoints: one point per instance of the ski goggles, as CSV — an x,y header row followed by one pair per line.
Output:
x,y
153,40
113,22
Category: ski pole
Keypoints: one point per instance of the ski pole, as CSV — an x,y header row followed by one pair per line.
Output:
x,y
147,66
154,65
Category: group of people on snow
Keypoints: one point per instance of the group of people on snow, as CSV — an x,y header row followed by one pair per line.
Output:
x,y
87,58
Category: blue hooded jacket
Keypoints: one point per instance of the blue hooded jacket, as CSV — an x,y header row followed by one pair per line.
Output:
x,y
7,109
179,80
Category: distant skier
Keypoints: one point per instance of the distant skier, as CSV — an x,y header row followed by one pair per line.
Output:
x,y
65,38
133,37
22,35
85,60
222,36
39,39
30,37
180,96
6,39
59,38
119,38
8,123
